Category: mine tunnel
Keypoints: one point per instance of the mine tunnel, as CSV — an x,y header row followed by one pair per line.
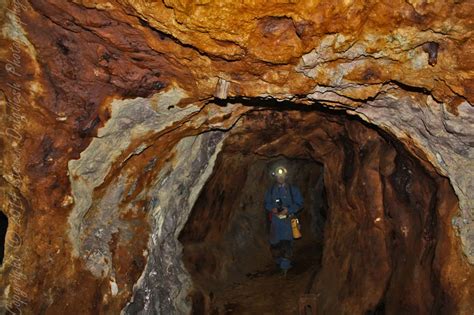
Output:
x,y
369,223
226,238
139,138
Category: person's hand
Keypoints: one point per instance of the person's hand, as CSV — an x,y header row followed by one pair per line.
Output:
x,y
275,210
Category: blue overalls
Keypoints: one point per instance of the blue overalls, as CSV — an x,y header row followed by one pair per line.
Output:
x,y
281,235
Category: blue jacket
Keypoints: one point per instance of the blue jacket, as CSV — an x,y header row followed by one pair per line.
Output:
x,y
281,228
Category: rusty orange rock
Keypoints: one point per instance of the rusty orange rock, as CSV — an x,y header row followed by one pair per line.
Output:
x,y
103,102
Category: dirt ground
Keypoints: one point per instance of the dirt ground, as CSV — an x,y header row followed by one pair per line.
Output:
x,y
268,291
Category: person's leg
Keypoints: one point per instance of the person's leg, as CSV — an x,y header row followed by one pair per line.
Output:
x,y
276,251
287,253
289,249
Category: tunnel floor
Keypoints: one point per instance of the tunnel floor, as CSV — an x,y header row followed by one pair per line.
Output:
x,y
267,291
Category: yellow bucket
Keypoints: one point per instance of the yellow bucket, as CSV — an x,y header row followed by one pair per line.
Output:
x,y
295,227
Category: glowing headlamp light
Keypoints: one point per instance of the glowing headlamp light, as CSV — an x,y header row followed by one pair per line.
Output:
x,y
279,171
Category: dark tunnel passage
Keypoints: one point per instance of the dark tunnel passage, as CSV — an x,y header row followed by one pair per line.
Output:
x,y
370,223
226,239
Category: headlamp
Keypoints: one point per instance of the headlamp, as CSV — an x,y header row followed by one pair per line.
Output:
x,y
279,171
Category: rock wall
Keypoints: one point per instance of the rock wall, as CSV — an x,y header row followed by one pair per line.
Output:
x,y
97,96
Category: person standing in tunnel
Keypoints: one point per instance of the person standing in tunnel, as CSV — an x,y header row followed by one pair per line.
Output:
x,y
282,202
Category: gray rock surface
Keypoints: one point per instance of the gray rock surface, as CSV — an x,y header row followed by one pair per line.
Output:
x,y
131,120
164,284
